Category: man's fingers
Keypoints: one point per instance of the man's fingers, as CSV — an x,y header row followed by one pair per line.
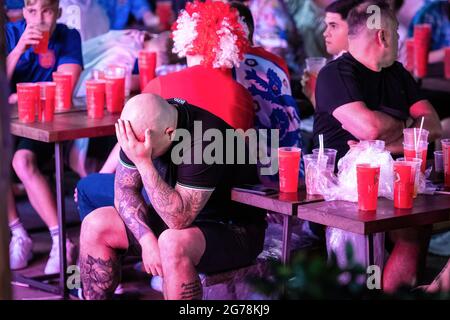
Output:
x,y
130,134
147,138
123,131
159,270
148,269
118,134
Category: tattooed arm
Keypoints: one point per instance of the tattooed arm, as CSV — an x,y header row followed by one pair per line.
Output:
x,y
132,209
129,202
177,207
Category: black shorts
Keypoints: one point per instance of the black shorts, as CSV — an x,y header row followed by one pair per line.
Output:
x,y
228,245
44,151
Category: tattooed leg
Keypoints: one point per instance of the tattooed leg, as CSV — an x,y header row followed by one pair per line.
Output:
x,y
181,251
102,234
99,277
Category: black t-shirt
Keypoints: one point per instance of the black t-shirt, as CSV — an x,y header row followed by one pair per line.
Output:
x,y
197,173
392,90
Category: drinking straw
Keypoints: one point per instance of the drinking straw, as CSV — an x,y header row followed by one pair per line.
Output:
x,y
420,133
415,140
320,148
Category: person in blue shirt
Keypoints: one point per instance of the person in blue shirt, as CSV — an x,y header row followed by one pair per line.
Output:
x,y
437,14
119,11
23,65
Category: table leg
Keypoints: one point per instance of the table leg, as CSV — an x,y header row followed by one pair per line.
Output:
x,y
59,164
370,255
287,230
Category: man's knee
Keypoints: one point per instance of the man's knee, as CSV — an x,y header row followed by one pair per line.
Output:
x,y
24,164
95,228
172,248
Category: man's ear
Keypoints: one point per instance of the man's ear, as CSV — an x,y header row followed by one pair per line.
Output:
x,y
170,132
381,37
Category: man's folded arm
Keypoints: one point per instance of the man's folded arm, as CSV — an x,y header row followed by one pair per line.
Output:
x,y
366,124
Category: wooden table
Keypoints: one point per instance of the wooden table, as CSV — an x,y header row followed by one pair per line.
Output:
x,y
66,126
428,209
282,203
436,84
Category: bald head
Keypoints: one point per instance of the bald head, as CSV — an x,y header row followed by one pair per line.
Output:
x,y
149,111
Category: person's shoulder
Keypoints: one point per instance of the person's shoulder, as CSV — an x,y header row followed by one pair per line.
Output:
x,y
344,64
67,33
16,27
267,55
429,10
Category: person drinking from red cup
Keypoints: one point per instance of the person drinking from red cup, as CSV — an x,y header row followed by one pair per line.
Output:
x,y
367,176
42,46
47,92
95,98
25,65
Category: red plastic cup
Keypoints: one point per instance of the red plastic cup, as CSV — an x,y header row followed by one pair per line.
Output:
x,y
367,179
289,164
97,74
95,98
410,49
63,97
46,101
404,178
447,63
147,66
421,153
165,14
422,38
27,101
42,46
446,152
115,88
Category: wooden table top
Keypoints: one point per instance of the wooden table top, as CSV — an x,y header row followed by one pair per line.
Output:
x,y
66,126
428,209
284,203
436,84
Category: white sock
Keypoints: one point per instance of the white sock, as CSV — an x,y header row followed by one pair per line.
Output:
x,y
17,229
54,233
